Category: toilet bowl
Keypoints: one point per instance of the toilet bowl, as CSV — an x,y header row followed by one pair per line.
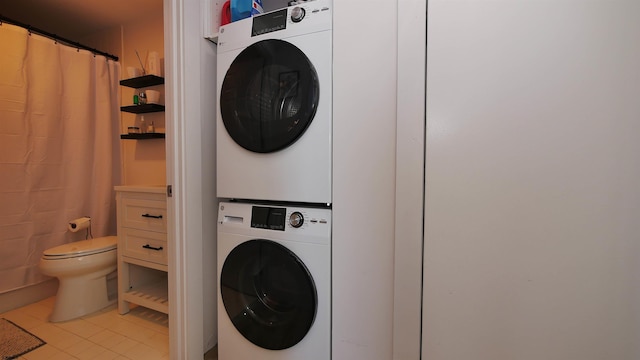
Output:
x,y
81,268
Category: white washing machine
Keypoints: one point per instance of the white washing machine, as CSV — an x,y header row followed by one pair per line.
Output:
x,y
274,105
274,271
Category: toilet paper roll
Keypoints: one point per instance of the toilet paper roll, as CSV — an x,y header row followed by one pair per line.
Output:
x,y
79,224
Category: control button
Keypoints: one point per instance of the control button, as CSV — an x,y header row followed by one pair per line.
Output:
x,y
323,221
325,8
313,221
296,219
297,14
315,11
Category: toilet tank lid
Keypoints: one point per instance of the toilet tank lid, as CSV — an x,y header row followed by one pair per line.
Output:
x,y
84,246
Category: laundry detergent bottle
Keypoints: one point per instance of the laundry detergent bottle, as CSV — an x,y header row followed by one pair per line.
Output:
x,y
242,9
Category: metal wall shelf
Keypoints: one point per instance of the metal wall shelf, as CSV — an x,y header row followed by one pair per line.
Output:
x,y
142,109
144,136
142,81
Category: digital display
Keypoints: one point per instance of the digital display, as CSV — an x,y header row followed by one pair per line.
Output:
x,y
273,21
268,218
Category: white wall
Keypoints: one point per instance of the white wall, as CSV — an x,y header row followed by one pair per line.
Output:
x,y
532,173
144,162
364,136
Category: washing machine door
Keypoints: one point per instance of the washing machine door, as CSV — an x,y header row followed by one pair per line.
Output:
x,y
269,96
268,293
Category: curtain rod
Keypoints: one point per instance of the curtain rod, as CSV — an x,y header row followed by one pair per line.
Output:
x,y
55,37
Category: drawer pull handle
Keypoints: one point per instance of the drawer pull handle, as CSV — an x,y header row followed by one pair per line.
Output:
x,y
152,248
152,216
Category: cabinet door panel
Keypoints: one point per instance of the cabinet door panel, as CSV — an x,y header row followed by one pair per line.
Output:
x,y
144,245
144,214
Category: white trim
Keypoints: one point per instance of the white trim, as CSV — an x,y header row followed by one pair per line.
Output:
x,y
190,68
175,206
211,19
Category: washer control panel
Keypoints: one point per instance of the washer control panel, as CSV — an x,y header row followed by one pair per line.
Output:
x,y
272,218
291,222
281,218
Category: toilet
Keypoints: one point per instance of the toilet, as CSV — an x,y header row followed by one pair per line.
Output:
x,y
81,268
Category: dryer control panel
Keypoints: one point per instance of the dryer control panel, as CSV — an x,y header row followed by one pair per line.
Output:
x,y
304,18
278,19
273,21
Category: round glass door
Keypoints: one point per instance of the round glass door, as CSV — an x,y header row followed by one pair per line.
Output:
x,y
268,293
269,96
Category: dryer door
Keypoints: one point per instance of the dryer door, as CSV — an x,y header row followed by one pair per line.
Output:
x,y
269,96
268,293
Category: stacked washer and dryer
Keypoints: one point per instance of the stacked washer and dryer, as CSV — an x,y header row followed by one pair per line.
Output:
x,y
274,152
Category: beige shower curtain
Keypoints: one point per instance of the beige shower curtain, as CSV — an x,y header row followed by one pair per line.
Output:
x,y
59,152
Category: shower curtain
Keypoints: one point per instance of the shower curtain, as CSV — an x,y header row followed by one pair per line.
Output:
x,y
59,149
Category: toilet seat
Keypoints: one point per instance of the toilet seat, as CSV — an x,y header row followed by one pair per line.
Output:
x,y
81,248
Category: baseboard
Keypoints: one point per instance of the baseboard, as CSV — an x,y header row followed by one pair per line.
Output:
x,y
210,343
28,295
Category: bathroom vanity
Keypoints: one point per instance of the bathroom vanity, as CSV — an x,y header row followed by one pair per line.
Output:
x,y
142,247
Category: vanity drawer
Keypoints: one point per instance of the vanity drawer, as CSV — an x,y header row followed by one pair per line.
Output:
x,y
144,214
143,245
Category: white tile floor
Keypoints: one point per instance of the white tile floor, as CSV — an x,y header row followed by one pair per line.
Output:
x,y
142,334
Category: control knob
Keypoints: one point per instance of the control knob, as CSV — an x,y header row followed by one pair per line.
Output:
x,y
297,14
296,219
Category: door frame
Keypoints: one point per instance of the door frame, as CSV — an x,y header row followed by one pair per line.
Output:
x,y
190,72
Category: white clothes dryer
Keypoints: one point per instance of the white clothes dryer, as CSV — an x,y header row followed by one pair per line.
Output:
x,y
274,272
274,115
